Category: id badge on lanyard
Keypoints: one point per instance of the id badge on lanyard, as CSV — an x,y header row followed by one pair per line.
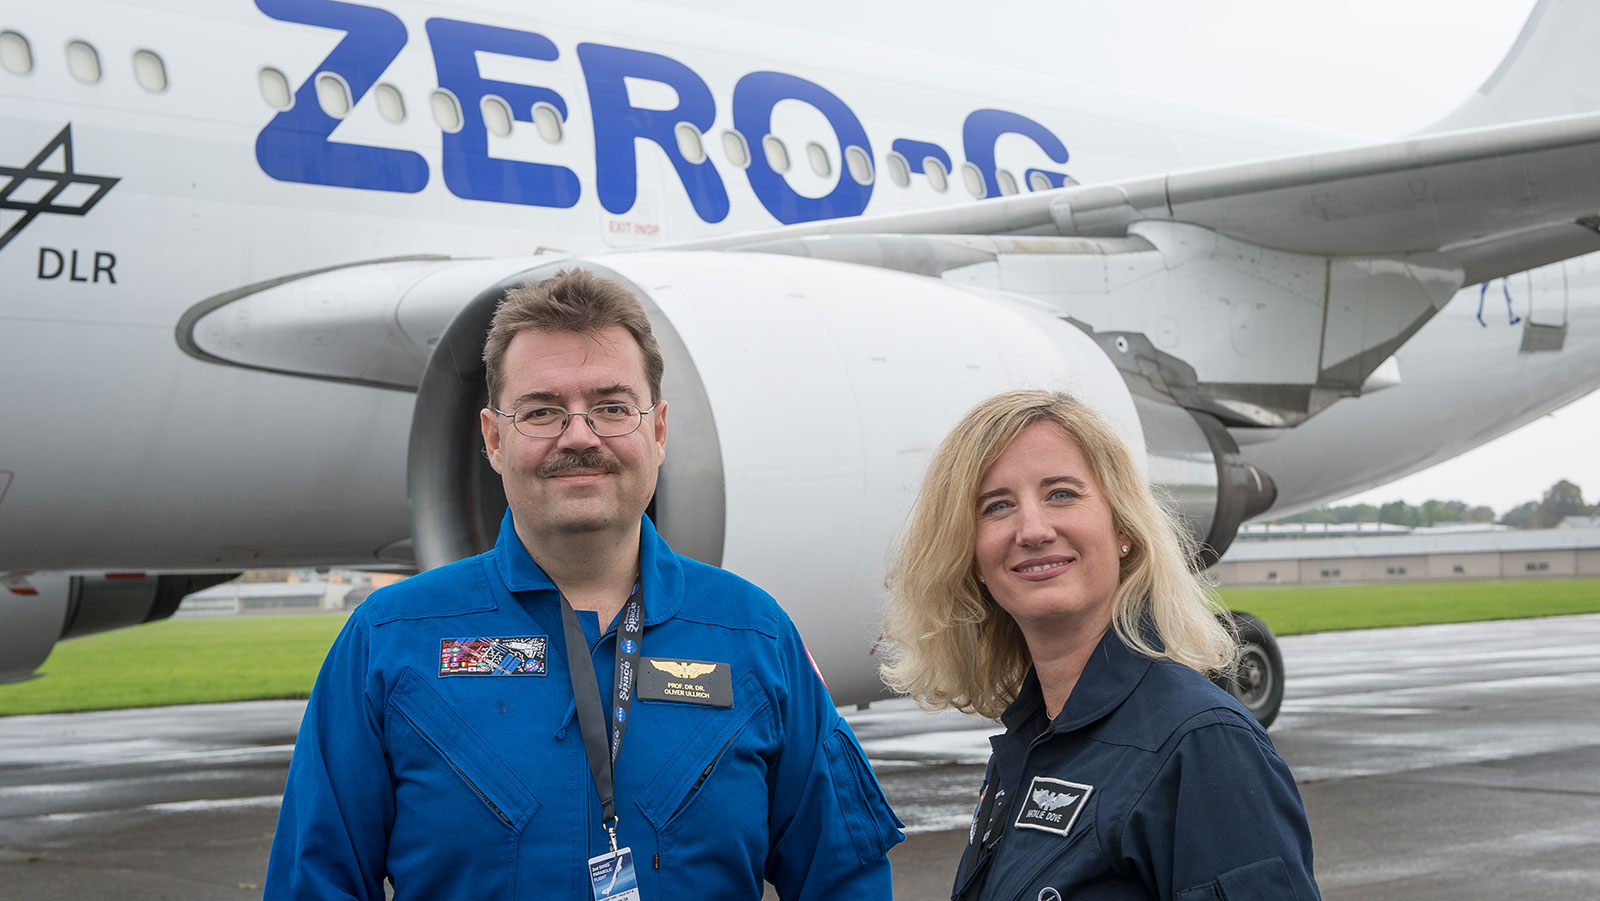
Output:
x,y
611,875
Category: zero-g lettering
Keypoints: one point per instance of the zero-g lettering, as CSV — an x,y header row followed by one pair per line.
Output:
x,y
469,172
617,123
917,153
753,99
985,126
296,144
295,147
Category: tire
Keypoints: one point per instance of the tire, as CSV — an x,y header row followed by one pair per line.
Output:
x,y
1257,682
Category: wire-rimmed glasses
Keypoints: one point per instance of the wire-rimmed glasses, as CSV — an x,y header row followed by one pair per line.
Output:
x,y
549,421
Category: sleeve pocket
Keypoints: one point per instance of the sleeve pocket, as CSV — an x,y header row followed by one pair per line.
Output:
x,y
873,826
1264,880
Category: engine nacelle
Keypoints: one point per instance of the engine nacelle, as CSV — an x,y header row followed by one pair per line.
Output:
x,y
41,608
805,398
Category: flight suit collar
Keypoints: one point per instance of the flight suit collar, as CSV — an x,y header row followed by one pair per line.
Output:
x,y
1109,676
660,572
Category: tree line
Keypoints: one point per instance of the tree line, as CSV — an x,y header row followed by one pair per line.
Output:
x,y
1563,499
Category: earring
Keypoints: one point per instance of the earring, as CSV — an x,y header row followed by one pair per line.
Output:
x,y
1125,550
981,581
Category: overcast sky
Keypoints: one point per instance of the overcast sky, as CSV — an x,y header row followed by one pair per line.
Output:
x,y
1380,67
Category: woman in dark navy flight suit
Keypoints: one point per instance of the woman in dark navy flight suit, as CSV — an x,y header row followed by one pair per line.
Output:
x,y
1041,582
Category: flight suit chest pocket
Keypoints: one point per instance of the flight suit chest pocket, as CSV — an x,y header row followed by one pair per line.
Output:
x,y
719,745
439,759
1039,860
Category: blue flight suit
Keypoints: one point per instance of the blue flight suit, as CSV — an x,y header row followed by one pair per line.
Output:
x,y
1151,783
477,786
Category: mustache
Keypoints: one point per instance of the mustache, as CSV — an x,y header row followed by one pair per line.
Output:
x,y
590,459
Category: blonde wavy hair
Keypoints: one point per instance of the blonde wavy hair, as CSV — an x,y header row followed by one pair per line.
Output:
x,y
948,644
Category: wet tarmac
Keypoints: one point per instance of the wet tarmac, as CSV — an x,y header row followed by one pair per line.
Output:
x,y
1436,762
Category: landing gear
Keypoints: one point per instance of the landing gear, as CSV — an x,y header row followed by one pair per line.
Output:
x,y
1257,682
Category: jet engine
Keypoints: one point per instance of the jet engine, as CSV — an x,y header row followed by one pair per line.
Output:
x,y
43,608
805,397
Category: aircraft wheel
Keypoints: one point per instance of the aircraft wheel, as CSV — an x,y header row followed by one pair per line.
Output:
x,y
1257,682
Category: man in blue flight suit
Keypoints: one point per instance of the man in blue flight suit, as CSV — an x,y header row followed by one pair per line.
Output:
x,y
578,712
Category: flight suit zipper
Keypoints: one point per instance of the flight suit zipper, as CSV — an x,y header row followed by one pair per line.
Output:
x,y
704,775
464,777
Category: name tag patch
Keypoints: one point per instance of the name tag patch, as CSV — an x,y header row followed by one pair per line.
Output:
x,y
1052,805
520,656
687,681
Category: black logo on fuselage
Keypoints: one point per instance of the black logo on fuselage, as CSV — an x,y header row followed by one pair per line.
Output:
x,y
33,190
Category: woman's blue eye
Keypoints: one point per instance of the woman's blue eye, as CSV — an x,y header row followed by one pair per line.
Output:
x,y
996,507
1063,494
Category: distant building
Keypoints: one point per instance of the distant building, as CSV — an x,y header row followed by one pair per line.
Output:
x,y
280,591
1279,531
1579,522
1418,556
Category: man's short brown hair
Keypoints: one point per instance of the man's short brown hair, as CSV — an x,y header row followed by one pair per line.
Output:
x,y
575,300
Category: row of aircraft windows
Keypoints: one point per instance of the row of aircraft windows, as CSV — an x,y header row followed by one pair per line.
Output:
x,y
83,61
333,96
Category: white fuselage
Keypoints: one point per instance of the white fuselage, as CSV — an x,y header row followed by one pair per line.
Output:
x,y
118,450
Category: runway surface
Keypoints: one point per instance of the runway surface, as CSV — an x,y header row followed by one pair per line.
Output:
x,y
1436,762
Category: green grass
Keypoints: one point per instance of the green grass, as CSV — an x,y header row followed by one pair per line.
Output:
x,y
1294,609
190,661
180,661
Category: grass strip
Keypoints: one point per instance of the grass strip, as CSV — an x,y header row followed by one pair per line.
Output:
x,y
239,658
180,661
1297,609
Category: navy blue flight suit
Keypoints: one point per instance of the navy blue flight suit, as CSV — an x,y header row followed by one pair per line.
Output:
x,y
1151,783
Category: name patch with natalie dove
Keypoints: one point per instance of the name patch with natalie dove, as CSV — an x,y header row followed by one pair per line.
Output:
x,y
686,681
1052,805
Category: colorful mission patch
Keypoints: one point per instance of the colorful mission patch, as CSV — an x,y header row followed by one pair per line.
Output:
x,y
522,656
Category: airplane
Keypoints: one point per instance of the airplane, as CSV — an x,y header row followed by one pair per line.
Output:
x,y
248,254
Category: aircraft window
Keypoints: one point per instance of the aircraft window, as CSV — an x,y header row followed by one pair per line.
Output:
x,y
777,154
1038,181
446,110
1008,182
899,169
15,54
275,89
333,95
496,116
83,61
149,71
973,179
548,121
937,177
689,143
820,163
859,164
736,150
391,105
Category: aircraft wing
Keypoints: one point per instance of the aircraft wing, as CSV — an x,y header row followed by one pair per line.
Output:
x,y
1492,200
1262,292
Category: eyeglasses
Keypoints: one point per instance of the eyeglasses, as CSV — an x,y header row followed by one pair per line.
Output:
x,y
549,421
